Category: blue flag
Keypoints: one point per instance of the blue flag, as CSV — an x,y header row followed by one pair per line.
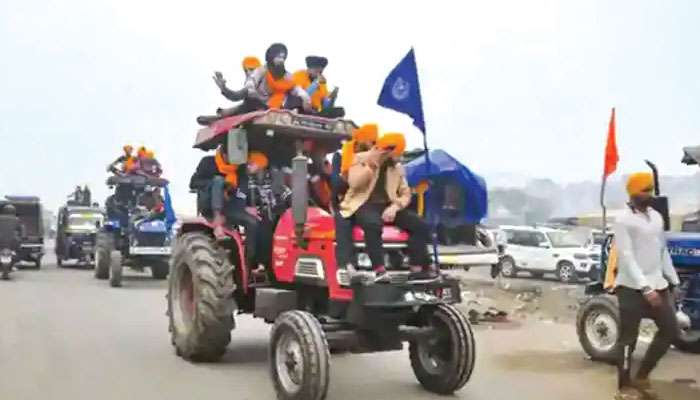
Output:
x,y
401,91
170,217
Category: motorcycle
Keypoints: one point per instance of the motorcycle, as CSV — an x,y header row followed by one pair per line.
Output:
x,y
7,261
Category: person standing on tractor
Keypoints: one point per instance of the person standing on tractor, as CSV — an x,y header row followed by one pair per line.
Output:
x,y
271,86
312,80
645,284
220,196
378,194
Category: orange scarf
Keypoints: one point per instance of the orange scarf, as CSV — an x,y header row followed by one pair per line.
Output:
x,y
302,79
280,88
230,171
129,164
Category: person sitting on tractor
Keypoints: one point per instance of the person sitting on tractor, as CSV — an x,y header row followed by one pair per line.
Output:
x,y
250,64
270,197
363,139
312,80
153,202
377,194
126,160
218,185
149,165
271,86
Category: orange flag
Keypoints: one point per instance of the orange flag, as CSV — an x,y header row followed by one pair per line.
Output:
x,y
611,157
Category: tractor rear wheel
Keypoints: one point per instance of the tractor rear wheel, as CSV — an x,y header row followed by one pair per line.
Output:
x,y
200,302
598,328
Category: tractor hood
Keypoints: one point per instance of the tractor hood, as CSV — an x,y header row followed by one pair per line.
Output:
x,y
685,249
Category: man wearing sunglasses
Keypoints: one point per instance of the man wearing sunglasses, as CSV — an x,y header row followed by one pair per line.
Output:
x,y
645,285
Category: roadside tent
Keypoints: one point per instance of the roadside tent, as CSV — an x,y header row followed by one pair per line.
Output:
x,y
446,172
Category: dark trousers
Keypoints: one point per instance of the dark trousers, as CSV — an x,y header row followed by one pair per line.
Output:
x,y
343,240
369,218
634,307
264,242
236,214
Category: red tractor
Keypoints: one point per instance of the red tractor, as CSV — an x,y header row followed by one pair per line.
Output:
x,y
313,304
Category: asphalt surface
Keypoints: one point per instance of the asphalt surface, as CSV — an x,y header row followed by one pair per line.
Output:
x,y
66,335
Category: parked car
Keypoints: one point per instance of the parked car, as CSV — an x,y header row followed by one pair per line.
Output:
x,y
546,250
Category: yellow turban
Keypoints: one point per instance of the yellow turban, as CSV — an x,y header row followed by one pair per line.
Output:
x,y
258,158
251,63
639,182
367,133
395,140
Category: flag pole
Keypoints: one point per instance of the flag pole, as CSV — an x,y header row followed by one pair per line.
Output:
x,y
433,225
602,204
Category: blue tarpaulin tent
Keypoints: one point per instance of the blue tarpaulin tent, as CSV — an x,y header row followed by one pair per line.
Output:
x,y
444,169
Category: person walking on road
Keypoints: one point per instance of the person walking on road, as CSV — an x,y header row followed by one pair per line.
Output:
x,y
645,286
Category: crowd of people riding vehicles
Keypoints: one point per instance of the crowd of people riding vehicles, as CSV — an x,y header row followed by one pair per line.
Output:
x,y
136,231
282,212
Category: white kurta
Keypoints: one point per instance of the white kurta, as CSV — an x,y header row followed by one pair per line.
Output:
x,y
643,258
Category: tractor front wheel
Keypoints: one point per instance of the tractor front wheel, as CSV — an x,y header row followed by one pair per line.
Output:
x,y
299,357
444,363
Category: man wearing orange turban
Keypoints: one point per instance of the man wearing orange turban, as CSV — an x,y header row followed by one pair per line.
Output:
x,y
221,196
378,194
250,64
644,283
126,160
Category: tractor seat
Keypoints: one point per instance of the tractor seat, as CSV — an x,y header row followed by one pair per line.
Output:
x,y
389,234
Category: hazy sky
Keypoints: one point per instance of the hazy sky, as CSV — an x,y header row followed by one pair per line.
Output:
x,y
521,86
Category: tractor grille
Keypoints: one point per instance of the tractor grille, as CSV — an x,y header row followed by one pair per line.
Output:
x,y
150,239
310,268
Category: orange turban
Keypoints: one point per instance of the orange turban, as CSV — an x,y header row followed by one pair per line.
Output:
x,y
150,154
366,133
395,140
258,158
639,182
128,148
142,151
251,63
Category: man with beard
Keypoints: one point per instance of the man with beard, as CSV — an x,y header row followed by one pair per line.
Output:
x,y
644,285
312,80
271,86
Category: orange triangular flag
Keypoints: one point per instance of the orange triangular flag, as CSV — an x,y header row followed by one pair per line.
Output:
x,y
611,157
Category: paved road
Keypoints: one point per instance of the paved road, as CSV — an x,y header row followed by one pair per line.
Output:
x,y
65,335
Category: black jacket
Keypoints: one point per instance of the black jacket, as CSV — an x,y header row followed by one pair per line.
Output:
x,y
207,170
